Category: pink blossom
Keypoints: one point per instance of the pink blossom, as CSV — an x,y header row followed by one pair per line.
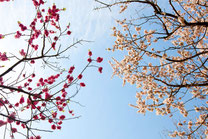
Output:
x,y
11,117
3,57
22,100
2,123
22,52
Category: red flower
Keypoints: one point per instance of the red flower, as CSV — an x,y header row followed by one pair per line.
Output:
x,y
53,45
23,28
10,106
39,107
11,117
64,104
70,79
82,84
69,32
42,117
17,104
60,122
29,88
39,15
43,104
32,61
47,96
89,60
38,137
71,111
40,2
59,127
33,75
58,98
2,123
14,130
22,100
65,85
35,117
99,59
71,69
17,122
80,76
60,108
55,38
18,35
22,52
100,69
45,90
54,114
53,127
34,47
46,33
50,120
64,94
29,80
90,53
6,102
62,117
3,57
23,125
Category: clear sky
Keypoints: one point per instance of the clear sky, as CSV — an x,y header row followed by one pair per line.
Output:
x,y
106,114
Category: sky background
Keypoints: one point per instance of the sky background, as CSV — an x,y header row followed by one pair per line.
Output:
x,y
106,113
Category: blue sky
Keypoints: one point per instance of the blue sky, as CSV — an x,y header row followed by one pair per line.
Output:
x,y
106,114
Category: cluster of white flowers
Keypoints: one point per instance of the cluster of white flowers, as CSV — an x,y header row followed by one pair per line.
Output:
x,y
171,78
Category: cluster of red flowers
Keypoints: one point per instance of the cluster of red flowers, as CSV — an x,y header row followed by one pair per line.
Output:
x,y
53,12
36,3
45,102
18,35
99,60
23,28
33,102
52,17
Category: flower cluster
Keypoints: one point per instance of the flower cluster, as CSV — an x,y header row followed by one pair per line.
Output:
x,y
44,96
172,78
98,60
